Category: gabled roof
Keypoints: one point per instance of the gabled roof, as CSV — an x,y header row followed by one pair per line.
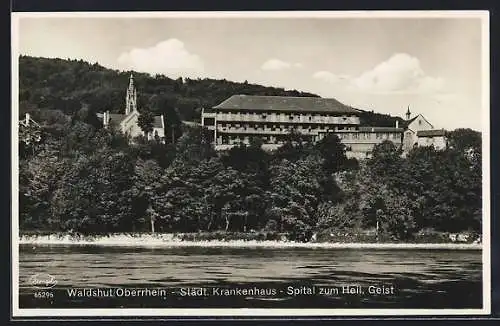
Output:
x,y
116,117
431,133
408,122
157,123
285,104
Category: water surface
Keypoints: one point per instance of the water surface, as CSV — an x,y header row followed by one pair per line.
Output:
x,y
419,278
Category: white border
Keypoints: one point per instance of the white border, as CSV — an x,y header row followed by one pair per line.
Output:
x,y
483,15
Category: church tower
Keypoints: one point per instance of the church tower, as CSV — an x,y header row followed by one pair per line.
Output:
x,y
408,113
131,99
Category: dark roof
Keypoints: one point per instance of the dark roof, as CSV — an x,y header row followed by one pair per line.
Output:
x,y
380,129
285,103
406,123
157,123
431,133
116,117
190,123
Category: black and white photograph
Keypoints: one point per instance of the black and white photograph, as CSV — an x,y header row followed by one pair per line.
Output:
x,y
319,163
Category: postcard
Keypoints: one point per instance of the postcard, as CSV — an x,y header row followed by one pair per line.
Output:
x,y
246,164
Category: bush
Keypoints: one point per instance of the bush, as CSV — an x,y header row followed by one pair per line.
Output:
x,y
271,225
229,236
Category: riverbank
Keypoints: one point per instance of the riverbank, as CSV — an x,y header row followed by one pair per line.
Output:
x,y
171,240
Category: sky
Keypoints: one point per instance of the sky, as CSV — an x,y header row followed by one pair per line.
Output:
x,y
385,64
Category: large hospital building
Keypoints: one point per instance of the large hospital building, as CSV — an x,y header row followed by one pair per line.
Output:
x,y
271,118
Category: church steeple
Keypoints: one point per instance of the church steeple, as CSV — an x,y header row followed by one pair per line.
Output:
x,y
408,113
131,98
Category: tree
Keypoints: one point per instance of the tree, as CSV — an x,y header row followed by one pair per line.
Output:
x,y
187,191
86,115
39,178
464,139
250,159
192,147
445,187
145,121
468,143
396,216
387,165
294,147
295,195
146,190
230,194
94,195
333,153
30,137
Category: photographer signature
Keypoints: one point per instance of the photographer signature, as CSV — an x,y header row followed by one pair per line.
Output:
x,y
43,281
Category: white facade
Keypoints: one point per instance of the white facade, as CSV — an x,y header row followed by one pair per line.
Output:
x,y
439,142
420,132
273,121
414,125
128,122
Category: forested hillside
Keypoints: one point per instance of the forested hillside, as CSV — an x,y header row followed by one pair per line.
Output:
x,y
68,85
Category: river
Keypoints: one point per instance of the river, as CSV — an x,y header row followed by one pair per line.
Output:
x,y
197,277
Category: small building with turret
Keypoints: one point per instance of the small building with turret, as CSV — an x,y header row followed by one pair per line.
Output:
x,y
420,132
127,122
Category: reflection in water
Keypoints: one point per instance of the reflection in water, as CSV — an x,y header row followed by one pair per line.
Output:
x,y
421,278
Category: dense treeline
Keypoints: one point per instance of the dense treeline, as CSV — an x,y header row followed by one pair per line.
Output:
x,y
69,85
89,180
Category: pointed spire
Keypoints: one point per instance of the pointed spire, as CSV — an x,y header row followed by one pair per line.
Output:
x,y
131,98
131,81
408,113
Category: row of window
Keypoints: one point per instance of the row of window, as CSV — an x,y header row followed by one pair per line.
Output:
x,y
231,140
265,114
286,117
275,139
342,135
275,127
